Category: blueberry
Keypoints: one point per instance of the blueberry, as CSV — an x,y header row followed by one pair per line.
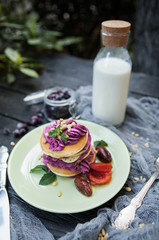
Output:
x,y
59,95
34,117
22,131
40,114
25,126
16,133
6,131
59,90
34,121
39,120
27,123
20,125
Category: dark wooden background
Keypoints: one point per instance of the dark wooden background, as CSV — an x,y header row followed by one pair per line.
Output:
x,y
61,70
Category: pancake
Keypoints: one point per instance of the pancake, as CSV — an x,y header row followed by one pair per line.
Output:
x,y
66,172
75,157
67,151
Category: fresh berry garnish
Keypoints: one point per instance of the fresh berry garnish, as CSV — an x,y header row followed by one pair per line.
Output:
x,y
6,131
101,167
99,177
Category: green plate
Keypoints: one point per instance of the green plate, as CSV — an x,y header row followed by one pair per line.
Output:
x,y
26,154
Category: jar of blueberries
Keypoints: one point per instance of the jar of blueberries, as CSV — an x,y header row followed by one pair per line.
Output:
x,y
59,102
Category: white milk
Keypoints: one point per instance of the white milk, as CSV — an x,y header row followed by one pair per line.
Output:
x,y
110,89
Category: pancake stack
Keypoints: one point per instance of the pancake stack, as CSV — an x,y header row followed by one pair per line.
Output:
x,y
67,149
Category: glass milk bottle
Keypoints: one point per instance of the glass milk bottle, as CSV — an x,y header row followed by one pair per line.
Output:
x,y
111,73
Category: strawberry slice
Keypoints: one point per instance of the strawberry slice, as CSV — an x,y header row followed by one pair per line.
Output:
x,y
99,177
101,167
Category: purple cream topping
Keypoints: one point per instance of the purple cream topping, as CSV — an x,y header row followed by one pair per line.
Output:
x,y
83,166
56,144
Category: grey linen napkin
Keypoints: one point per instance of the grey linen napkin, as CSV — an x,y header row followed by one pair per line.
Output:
x,y
142,118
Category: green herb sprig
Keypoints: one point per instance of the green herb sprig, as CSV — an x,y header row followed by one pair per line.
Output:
x,y
48,178
57,132
100,143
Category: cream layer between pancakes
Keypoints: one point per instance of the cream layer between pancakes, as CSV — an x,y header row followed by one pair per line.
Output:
x,y
83,166
79,155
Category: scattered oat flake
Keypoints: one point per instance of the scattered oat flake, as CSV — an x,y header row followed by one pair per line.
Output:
x,y
102,235
103,232
130,154
147,139
144,179
141,138
141,225
136,135
133,133
147,145
59,194
55,183
135,146
153,222
128,189
12,143
136,179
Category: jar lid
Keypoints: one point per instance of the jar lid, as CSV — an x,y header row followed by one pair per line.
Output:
x,y
115,33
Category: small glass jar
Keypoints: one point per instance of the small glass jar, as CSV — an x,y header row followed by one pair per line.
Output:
x,y
59,108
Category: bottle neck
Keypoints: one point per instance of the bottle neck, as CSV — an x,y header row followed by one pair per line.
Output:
x,y
115,40
113,52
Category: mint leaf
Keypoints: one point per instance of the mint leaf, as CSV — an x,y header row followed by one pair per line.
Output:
x,y
64,137
38,168
101,142
53,133
58,130
47,178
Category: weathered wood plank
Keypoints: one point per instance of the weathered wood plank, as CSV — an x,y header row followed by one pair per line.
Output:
x,y
146,50
70,71
144,84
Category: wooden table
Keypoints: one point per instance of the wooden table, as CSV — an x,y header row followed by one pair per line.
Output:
x,y
60,70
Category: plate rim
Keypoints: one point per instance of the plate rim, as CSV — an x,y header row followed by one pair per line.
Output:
x,y
77,211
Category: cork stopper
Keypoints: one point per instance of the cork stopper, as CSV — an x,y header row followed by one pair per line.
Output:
x,y
115,33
